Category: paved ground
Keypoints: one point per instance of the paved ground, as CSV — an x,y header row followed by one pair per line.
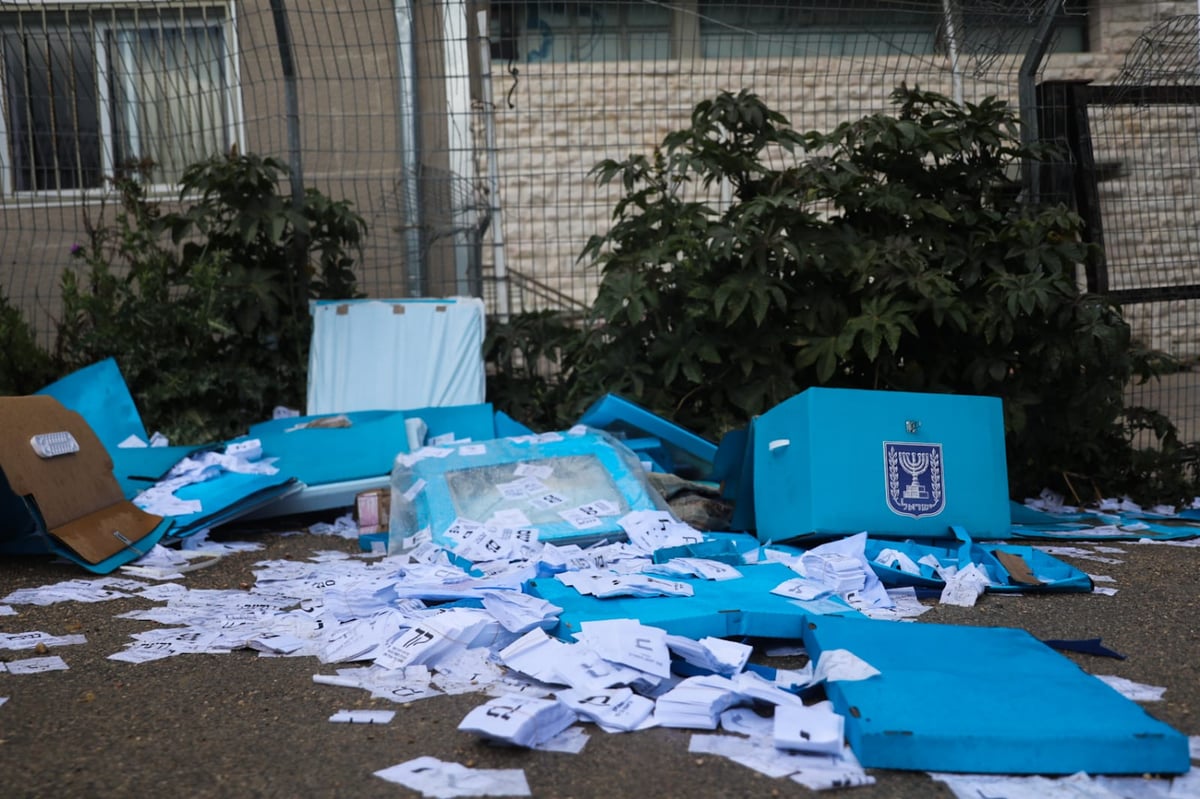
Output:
x,y
240,725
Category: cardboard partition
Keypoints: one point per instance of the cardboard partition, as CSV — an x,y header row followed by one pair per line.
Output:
x,y
72,498
833,462
985,700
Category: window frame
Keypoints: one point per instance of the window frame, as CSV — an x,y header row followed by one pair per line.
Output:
x,y
104,20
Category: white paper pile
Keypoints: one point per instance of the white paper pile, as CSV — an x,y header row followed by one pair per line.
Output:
x,y
809,728
696,703
714,654
650,531
519,720
612,709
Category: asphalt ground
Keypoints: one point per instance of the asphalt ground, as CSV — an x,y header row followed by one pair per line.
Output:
x,y
240,725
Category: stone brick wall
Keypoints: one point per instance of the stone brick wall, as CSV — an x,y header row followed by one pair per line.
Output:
x,y
564,118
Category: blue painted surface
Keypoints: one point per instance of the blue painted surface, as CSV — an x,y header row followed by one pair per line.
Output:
x,y
986,700
824,462
729,608
672,448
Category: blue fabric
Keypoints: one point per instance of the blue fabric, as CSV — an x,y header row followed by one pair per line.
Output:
x,y
985,700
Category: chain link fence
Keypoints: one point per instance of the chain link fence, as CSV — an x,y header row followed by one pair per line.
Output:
x,y
464,132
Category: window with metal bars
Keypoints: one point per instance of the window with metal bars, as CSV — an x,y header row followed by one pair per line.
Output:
x,y
97,93
639,29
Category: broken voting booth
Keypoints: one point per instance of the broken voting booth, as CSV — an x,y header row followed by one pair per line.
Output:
x,y
916,479
363,411
897,464
58,494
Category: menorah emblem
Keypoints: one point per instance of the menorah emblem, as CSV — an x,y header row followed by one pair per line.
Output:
x,y
914,480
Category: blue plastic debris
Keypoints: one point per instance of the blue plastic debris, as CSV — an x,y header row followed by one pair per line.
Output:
x,y
567,487
669,447
987,701
1011,568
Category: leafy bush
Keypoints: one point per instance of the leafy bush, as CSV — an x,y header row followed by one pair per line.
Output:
x,y
896,254
205,307
24,365
527,357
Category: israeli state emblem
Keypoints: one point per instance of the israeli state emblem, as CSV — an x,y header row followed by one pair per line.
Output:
x,y
916,485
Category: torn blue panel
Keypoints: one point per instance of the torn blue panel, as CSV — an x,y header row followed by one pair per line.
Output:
x,y
1012,568
988,701
840,461
568,487
138,468
315,456
336,463
674,449
100,395
395,354
729,608
230,496
506,427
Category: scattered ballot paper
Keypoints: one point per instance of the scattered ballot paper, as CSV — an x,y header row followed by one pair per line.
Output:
x,y
630,643
442,780
37,665
36,638
1135,691
526,721
809,728
612,709
964,586
363,716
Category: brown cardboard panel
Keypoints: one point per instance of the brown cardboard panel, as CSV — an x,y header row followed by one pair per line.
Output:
x,y
1018,569
80,500
104,533
66,487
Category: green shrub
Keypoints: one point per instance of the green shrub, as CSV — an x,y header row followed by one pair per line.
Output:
x,y
24,365
528,358
896,253
205,306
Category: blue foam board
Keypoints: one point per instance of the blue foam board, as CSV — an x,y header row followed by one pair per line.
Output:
x,y
985,700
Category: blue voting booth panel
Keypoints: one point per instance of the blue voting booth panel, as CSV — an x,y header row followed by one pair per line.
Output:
x,y
729,608
668,446
985,700
841,461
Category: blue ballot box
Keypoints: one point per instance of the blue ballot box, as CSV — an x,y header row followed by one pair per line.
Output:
x,y
840,461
